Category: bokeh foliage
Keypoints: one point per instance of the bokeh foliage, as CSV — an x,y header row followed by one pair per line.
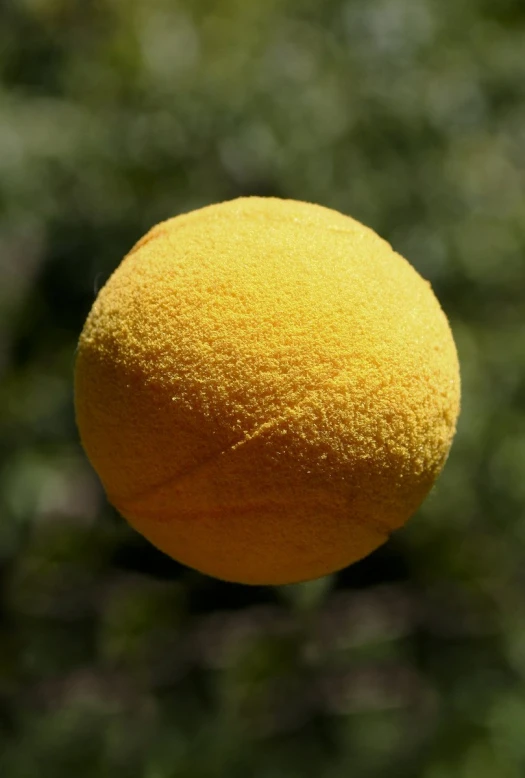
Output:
x,y
116,661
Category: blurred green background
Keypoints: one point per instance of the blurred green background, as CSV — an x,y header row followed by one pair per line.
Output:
x,y
114,660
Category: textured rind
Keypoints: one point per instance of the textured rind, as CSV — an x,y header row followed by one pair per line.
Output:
x,y
266,389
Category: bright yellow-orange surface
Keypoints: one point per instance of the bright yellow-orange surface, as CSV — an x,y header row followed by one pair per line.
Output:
x,y
266,389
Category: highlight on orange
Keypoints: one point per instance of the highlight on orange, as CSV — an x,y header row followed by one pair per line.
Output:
x,y
266,389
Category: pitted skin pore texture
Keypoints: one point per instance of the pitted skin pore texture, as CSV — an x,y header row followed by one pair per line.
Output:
x,y
266,389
